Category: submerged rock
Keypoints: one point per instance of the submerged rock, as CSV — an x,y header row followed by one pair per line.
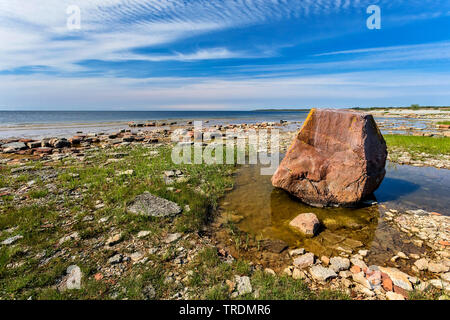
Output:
x,y
337,158
149,205
306,223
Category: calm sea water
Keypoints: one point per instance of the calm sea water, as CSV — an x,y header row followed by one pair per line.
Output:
x,y
18,118
36,124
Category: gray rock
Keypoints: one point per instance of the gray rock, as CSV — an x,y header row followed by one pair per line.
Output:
x,y
149,205
11,240
296,252
143,234
14,146
304,261
172,237
73,236
446,276
358,262
116,259
320,273
243,285
399,278
362,280
339,264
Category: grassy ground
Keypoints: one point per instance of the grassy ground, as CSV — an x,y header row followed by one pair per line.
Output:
x,y
444,122
417,144
58,206
49,201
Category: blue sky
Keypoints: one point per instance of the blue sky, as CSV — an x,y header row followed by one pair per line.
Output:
x,y
223,55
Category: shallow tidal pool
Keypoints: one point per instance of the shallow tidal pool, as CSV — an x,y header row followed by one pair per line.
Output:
x,y
263,211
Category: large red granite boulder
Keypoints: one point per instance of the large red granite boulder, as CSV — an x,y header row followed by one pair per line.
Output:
x,y
337,158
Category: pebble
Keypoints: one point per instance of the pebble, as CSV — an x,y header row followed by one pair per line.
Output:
x,y
320,273
143,234
437,267
116,259
304,261
172,237
421,264
243,285
11,240
394,296
339,264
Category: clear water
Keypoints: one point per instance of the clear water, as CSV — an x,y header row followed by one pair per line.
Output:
x,y
265,211
34,124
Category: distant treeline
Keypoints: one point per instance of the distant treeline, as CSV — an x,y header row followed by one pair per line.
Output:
x,y
412,107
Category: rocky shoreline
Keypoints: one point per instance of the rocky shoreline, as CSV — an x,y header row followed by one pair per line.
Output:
x,y
125,252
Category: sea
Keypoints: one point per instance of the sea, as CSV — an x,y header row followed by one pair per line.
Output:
x,y
38,124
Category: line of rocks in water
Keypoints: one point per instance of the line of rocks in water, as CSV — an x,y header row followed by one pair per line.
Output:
x,y
76,143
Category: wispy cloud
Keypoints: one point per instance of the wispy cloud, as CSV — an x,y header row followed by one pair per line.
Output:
x,y
338,90
33,32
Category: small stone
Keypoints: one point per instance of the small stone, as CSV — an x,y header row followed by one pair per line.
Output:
x,y
306,223
394,296
414,256
116,259
339,264
136,256
361,279
359,263
437,267
143,234
73,236
149,205
304,261
325,260
11,240
320,273
402,255
386,283
269,271
399,279
296,252
421,264
446,276
438,283
243,285
298,274
345,274
363,253
355,269
172,237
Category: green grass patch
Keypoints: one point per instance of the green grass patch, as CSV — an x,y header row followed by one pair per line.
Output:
x,y
417,144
